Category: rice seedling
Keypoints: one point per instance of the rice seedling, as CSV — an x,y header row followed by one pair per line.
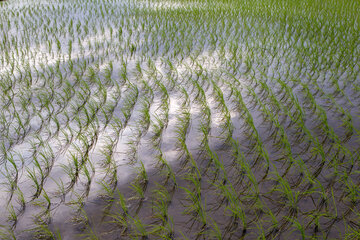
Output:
x,y
238,121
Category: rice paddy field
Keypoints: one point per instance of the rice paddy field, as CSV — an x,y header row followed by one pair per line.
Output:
x,y
179,119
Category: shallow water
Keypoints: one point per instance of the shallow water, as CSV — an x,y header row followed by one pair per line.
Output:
x,y
65,103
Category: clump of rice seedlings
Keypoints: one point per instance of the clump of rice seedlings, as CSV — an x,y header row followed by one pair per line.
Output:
x,y
168,172
120,218
87,230
162,222
226,123
228,198
109,164
42,231
182,128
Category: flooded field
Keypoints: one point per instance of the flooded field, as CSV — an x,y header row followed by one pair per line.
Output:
x,y
179,119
